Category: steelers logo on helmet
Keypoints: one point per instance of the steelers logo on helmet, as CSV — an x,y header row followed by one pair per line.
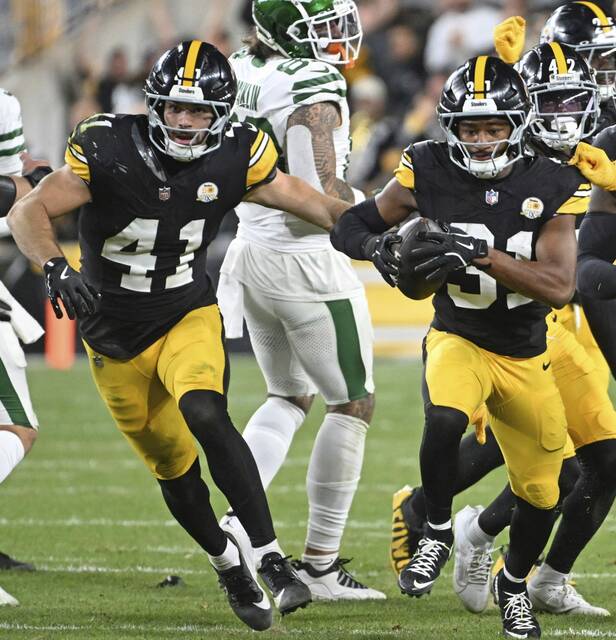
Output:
x,y
532,208
592,33
194,76
484,91
327,30
564,97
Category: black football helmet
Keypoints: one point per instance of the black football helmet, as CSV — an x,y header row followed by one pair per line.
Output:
x,y
585,27
564,98
485,87
197,73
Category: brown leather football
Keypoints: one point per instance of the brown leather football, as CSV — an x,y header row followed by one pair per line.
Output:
x,y
414,285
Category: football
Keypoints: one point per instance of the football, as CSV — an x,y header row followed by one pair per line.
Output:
x,y
411,284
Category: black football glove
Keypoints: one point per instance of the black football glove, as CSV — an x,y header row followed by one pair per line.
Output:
x,y
379,250
5,311
79,298
449,250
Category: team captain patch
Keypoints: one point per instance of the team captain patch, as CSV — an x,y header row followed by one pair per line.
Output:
x,y
207,192
532,208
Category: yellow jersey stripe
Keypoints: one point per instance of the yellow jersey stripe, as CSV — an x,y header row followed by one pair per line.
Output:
x,y
405,176
603,21
257,143
78,165
575,205
406,161
559,56
479,80
262,163
191,61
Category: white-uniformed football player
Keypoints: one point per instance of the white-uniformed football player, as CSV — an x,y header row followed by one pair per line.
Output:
x,y
304,306
18,422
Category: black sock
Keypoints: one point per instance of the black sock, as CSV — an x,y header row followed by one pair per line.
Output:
x,y
443,535
230,461
587,506
188,499
529,532
439,459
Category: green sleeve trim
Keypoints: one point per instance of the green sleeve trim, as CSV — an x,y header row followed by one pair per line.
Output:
x,y
11,134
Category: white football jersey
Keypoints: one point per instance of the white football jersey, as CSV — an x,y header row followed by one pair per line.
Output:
x,y
12,141
268,93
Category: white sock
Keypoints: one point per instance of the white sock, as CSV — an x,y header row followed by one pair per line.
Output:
x,y
443,526
230,557
12,452
545,573
333,475
477,536
269,434
271,547
321,562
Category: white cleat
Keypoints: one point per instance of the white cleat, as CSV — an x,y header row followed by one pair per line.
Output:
x,y
561,598
472,564
334,583
7,599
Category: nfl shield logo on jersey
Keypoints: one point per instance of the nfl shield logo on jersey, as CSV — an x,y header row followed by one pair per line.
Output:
x,y
492,197
164,193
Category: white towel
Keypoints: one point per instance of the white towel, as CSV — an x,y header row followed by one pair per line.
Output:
x,y
25,326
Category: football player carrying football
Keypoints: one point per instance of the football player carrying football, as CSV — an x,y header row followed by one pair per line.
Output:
x,y
509,256
305,307
155,189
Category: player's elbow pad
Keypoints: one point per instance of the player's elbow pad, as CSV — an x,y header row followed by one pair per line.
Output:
x,y
355,226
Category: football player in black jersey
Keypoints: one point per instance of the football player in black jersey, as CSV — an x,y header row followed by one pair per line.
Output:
x,y
509,256
154,190
564,99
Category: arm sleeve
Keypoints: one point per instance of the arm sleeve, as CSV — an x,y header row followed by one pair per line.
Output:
x,y
262,161
596,276
355,227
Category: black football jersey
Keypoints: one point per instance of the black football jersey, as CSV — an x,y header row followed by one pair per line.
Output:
x,y
145,233
508,213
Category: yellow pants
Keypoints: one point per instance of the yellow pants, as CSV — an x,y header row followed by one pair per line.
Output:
x,y
143,393
528,417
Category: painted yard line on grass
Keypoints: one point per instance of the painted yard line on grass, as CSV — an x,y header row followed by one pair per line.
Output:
x,y
579,633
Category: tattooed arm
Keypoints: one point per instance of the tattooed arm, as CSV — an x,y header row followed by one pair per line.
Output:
x,y
310,150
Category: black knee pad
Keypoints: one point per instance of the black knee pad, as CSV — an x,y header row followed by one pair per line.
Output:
x,y
599,459
205,413
448,423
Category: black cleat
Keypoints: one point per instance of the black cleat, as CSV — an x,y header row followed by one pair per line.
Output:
x,y
289,592
7,563
407,529
248,601
420,574
516,610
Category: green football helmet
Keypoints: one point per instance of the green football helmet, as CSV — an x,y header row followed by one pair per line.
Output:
x,y
327,30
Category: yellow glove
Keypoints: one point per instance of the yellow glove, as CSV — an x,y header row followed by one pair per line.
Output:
x,y
509,36
595,166
480,420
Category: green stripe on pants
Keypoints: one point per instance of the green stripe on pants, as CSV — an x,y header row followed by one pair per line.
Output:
x,y
10,400
349,351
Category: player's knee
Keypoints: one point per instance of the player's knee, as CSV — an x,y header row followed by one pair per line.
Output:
x,y
445,422
362,408
569,474
186,487
205,413
302,402
27,435
599,459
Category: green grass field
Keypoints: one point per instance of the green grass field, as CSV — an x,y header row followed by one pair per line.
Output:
x,y
85,510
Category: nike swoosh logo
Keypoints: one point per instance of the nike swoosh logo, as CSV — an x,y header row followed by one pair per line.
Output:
x,y
546,366
421,585
64,274
466,246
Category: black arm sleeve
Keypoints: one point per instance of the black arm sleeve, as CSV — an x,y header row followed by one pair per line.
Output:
x,y
8,192
355,227
596,276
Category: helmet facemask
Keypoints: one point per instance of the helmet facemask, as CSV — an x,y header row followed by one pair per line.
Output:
x,y
601,56
565,111
504,152
202,141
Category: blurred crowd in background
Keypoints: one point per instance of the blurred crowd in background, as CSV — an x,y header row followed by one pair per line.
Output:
x,y
409,49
